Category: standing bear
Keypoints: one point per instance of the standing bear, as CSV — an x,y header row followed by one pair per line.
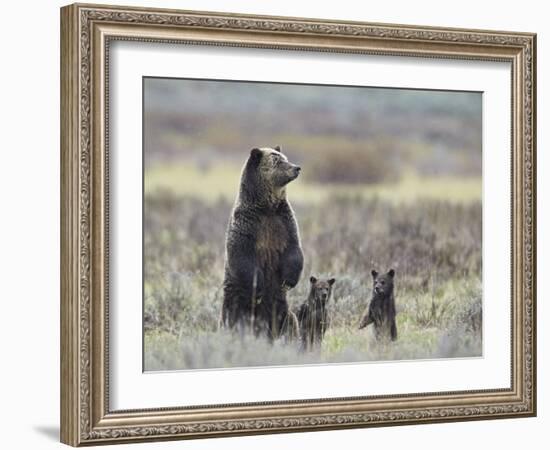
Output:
x,y
381,310
263,255
313,314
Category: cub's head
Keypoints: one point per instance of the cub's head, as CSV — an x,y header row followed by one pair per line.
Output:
x,y
383,284
321,290
274,169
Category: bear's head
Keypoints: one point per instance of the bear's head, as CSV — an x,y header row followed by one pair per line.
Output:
x,y
321,290
383,284
274,167
266,173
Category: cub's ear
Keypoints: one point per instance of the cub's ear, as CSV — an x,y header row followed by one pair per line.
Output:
x,y
255,155
312,279
391,273
278,148
331,281
374,273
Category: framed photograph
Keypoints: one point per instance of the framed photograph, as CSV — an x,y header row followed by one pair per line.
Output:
x,y
276,224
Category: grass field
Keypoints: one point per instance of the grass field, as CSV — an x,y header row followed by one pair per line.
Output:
x,y
223,181
428,229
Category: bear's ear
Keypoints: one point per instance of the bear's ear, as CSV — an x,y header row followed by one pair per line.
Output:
x,y
312,279
391,273
255,155
374,273
278,148
331,281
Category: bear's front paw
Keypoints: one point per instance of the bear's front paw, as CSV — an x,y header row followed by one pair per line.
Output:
x,y
290,282
291,265
291,276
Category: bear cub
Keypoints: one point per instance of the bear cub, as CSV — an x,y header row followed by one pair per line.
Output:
x,y
381,310
312,315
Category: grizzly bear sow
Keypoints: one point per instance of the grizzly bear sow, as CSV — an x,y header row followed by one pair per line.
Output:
x,y
263,256
381,310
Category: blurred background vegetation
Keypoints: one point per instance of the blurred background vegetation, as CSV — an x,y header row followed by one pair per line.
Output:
x,y
390,178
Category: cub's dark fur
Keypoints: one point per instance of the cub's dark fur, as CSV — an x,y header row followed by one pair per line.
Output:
x,y
312,315
381,310
263,257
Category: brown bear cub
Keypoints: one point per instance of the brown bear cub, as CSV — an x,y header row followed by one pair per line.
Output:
x,y
312,315
381,310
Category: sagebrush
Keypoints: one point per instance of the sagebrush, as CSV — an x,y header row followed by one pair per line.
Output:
x,y
433,245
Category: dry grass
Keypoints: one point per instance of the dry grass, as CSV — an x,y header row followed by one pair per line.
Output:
x,y
435,247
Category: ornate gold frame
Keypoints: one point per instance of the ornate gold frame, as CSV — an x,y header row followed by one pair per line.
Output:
x,y
86,31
